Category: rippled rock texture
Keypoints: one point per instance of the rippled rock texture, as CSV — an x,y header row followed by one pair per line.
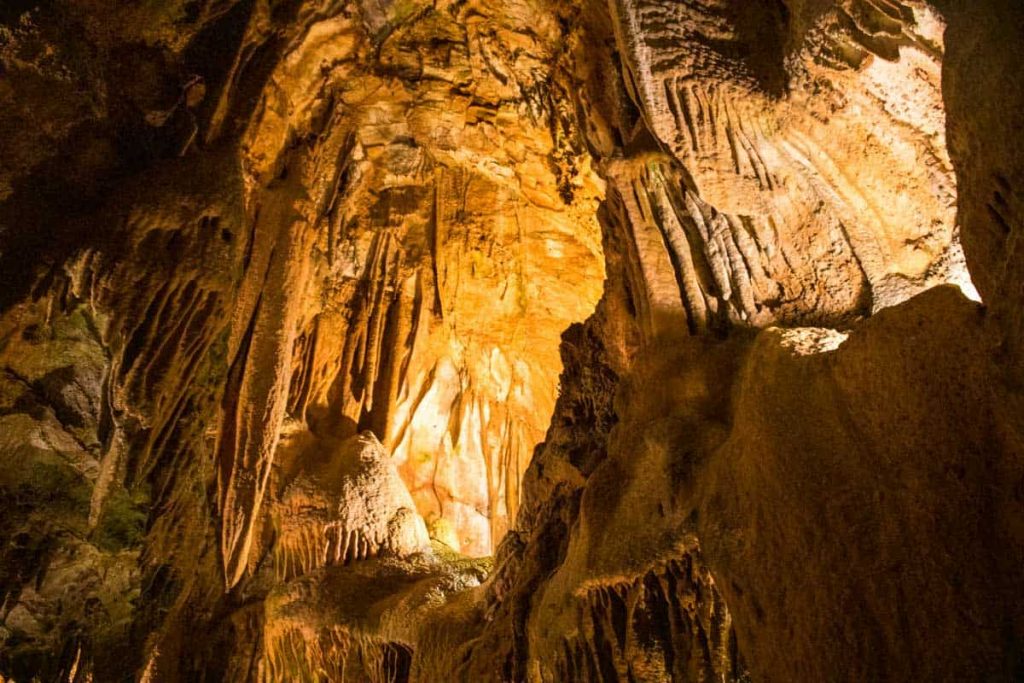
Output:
x,y
409,340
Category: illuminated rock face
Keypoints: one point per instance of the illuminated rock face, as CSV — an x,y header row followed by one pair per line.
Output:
x,y
806,176
348,504
445,199
308,306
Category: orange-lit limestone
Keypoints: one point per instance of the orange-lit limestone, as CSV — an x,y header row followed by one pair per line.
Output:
x,y
347,504
455,236
805,176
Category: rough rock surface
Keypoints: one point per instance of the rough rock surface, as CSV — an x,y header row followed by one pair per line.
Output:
x,y
347,504
306,304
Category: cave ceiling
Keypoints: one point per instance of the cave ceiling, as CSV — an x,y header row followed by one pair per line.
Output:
x,y
533,340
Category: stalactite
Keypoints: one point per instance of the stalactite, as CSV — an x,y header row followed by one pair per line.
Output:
x,y
304,356
260,406
669,624
334,654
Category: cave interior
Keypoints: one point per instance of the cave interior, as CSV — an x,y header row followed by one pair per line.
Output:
x,y
547,341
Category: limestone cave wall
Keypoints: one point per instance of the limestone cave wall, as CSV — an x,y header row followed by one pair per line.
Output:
x,y
539,340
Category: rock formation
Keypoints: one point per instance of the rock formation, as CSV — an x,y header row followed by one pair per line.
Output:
x,y
539,340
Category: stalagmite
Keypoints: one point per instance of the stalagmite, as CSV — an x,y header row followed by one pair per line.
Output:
x,y
347,504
